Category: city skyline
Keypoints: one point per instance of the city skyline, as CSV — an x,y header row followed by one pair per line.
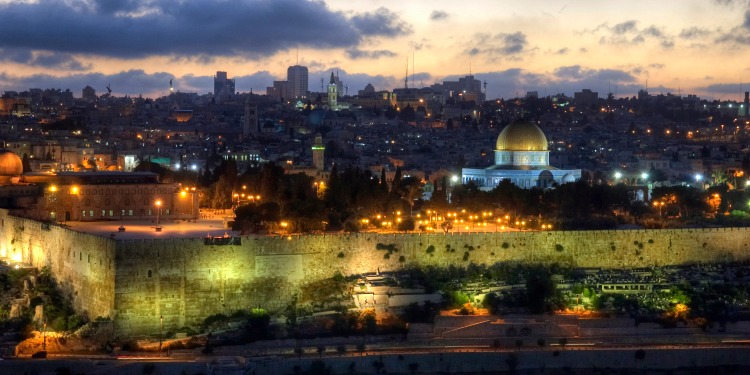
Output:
x,y
548,47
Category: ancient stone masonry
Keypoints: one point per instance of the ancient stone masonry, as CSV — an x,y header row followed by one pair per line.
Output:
x,y
182,281
83,265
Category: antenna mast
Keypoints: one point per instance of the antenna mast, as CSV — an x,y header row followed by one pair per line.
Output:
x,y
413,57
406,77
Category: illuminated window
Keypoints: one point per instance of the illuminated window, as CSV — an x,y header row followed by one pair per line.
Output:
x,y
91,213
130,212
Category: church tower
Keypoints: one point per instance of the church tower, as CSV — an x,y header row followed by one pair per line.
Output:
x,y
318,151
333,93
251,117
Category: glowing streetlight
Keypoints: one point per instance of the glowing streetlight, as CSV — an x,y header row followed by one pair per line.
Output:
x,y
618,175
158,211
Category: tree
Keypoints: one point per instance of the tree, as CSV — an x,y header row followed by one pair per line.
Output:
x,y
361,348
341,349
519,344
496,344
299,351
26,163
540,342
321,349
563,341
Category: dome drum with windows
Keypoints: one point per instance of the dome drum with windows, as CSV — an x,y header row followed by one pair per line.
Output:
x,y
522,157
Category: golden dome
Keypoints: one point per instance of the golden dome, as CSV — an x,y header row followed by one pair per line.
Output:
x,y
10,164
521,136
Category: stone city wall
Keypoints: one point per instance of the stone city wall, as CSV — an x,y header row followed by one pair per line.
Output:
x,y
179,282
166,284
82,264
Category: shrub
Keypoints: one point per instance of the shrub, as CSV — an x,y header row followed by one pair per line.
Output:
x,y
559,247
341,254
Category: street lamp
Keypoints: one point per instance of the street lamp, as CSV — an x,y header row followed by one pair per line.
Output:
x,y
161,329
158,211
659,204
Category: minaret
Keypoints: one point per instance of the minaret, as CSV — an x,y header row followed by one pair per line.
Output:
x,y
318,151
251,117
333,93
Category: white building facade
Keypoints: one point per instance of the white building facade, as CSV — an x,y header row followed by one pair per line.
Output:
x,y
522,157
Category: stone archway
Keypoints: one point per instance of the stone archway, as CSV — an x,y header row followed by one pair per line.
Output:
x,y
545,179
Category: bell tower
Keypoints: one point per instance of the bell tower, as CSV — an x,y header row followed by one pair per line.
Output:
x,y
333,93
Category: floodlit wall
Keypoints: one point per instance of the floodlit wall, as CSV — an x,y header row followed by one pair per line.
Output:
x,y
82,264
190,280
143,284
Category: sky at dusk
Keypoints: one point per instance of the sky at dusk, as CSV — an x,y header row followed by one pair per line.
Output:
x,y
680,46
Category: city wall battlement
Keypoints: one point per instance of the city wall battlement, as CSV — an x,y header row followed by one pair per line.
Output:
x,y
140,283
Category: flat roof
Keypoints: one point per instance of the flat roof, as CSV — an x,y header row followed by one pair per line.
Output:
x,y
146,229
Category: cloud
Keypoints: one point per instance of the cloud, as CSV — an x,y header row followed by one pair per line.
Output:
x,y
136,29
44,59
355,53
724,88
694,33
380,22
577,72
629,33
562,51
438,15
625,27
499,44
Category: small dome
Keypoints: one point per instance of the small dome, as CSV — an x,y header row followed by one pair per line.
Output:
x,y
521,136
10,164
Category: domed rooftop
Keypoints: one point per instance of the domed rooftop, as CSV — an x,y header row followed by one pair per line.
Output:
x,y
10,164
521,136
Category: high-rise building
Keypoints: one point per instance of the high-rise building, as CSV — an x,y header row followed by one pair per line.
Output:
x,y
89,94
297,79
279,90
223,86
585,98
